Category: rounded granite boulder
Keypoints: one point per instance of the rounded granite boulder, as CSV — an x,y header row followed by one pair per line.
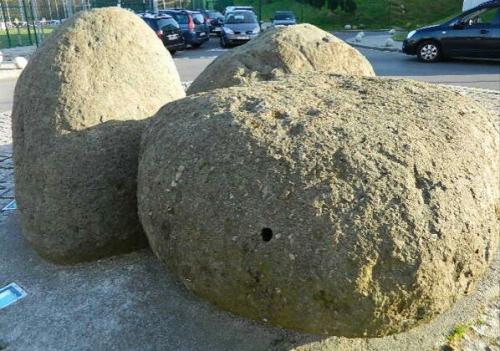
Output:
x,y
327,204
279,51
79,111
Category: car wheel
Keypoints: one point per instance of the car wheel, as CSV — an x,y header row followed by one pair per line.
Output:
x,y
429,51
172,52
196,46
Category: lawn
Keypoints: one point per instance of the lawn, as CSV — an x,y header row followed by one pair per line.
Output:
x,y
371,14
21,38
400,36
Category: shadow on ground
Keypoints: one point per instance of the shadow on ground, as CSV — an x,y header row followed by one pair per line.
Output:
x,y
125,302
129,302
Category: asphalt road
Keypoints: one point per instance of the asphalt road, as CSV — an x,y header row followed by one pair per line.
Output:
x,y
480,74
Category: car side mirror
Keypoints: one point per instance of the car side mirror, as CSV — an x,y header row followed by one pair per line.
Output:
x,y
459,25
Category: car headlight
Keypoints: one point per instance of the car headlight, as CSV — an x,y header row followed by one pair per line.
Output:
x,y
228,31
256,30
412,33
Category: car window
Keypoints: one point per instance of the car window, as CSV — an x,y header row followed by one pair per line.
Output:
x,y
483,16
240,17
198,18
166,23
283,17
181,19
489,16
214,15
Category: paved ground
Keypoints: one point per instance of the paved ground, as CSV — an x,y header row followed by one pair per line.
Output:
x,y
129,302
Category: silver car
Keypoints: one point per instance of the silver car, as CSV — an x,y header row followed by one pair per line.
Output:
x,y
238,28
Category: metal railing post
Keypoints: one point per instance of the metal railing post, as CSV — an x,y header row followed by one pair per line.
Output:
x,y
27,22
4,17
34,17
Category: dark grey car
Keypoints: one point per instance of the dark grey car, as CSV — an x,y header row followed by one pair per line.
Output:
x,y
283,18
473,34
238,28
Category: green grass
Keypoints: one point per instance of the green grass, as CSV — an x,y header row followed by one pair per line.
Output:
x,y
458,333
400,36
20,38
371,14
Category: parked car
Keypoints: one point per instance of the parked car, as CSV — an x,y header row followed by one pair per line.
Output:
x,y
238,28
194,28
283,18
473,34
167,29
214,20
238,8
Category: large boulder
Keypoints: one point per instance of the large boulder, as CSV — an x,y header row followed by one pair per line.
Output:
x,y
283,50
79,110
327,204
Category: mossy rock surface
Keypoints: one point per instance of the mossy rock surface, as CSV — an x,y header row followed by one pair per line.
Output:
x,y
279,51
327,204
79,110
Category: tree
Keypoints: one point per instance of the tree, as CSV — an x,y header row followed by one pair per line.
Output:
x,y
316,3
349,6
333,4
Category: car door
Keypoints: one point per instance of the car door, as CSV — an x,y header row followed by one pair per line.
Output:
x,y
474,35
487,25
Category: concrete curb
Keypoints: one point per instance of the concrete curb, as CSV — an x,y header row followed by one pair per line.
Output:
x,y
8,71
379,48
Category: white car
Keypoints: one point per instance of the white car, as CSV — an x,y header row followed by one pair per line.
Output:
x,y
238,8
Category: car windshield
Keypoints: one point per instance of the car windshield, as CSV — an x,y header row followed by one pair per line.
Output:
x,y
240,17
167,23
181,19
214,15
283,16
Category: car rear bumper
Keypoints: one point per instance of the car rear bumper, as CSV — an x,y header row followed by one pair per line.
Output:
x,y
410,47
196,37
176,46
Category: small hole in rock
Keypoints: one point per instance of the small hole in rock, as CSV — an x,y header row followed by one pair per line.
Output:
x,y
267,234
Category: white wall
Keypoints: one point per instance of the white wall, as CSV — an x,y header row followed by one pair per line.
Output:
x,y
468,4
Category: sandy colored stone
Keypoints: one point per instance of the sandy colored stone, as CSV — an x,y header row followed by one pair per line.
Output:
x,y
78,115
278,51
380,195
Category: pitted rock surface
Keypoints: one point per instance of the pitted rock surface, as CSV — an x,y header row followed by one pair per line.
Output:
x,y
327,204
79,110
279,51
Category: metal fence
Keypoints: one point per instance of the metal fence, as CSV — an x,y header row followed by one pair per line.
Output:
x,y
28,22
